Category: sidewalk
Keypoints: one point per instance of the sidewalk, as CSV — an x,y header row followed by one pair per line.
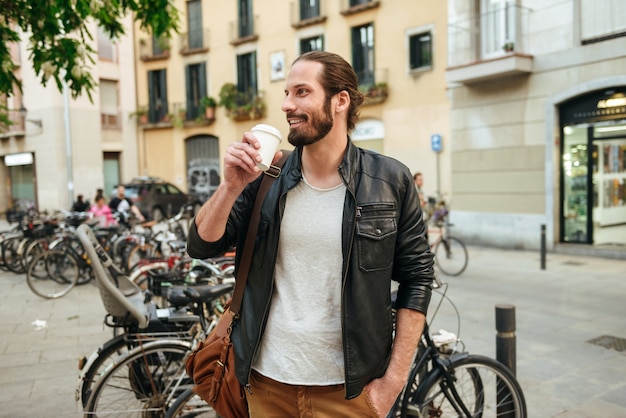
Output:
x,y
558,310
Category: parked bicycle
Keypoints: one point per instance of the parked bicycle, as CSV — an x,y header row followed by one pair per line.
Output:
x,y
450,252
141,372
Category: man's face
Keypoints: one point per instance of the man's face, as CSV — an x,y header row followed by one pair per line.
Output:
x,y
308,109
121,190
419,181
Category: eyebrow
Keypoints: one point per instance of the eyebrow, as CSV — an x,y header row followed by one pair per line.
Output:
x,y
299,85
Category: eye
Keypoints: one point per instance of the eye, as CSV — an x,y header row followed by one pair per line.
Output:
x,y
301,92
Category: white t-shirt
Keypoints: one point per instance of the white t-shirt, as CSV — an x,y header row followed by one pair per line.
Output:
x,y
302,343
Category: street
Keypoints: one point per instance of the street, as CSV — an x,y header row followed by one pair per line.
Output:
x,y
558,310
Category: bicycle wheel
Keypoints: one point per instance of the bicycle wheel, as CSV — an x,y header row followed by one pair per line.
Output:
x,y
144,382
190,405
52,274
103,359
451,256
140,252
11,256
484,388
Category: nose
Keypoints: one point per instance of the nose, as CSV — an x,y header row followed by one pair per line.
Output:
x,y
287,105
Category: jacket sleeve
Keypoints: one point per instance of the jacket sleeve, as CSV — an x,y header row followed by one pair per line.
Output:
x,y
414,262
236,227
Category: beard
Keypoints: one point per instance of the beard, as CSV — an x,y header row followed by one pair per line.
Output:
x,y
321,121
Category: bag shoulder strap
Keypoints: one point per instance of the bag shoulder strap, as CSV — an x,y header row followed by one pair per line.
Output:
x,y
248,248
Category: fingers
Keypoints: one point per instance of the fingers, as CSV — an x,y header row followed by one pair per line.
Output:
x,y
243,155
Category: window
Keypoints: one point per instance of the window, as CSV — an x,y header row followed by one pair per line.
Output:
x,y
498,25
246,74
420,50
245,18
108,103
309,9
315,43
194,25
602,19
357,2
157,91
363,53
106,48
196,88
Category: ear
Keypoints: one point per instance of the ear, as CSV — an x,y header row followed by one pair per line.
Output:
x,y
343,101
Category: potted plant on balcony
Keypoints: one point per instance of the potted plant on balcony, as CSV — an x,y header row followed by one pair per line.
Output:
x,y
257,107
508,47
208,104
141,114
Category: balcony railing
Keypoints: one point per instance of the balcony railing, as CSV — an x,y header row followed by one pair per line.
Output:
x,y
305,15
487,36
350,7
110,121
490,45
243,31
151,49
374,86
194,41
16,126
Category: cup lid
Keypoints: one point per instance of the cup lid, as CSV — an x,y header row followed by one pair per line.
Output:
x,y
269,129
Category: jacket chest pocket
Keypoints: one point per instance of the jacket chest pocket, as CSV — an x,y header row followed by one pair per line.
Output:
x,y
376,231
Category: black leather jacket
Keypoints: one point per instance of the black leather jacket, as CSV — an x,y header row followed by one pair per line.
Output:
x,y
383,238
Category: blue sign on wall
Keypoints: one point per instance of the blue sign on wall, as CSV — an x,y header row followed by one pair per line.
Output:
x,y
436,142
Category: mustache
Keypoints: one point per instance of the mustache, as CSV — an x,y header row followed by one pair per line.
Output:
x,y
297,116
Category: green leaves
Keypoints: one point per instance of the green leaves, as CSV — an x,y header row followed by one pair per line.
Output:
x,y
59,36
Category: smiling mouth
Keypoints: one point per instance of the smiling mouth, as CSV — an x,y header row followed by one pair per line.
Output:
x,y
295,121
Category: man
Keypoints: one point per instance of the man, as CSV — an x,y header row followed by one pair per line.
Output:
x,y
315,326
120,203
418,179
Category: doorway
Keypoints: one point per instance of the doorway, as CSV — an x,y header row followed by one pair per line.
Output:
x,y
594,184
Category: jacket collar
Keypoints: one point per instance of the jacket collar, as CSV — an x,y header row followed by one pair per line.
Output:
x,y
347,168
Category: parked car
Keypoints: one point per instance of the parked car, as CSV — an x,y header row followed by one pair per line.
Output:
x,y
156,198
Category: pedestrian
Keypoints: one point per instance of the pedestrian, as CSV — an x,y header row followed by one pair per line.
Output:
x,y
418,179
102,213
338,224
120,203
80,205
99,193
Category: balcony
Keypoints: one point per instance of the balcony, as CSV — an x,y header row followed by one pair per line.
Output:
x,y
12,124
350,7
374,86
151,49
194,42
488,47
176,115
242,31
303,16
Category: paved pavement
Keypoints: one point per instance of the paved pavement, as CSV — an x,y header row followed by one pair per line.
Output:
x,y
558,310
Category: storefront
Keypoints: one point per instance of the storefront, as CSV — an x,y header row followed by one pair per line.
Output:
x,y
593,168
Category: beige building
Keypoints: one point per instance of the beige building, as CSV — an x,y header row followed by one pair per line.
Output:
x,y
60,147
398,50
538,123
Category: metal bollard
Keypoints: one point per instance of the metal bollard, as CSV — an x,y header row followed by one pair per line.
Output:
x,y
505,336
543,246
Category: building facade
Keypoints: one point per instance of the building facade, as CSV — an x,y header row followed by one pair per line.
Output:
x,y
59,147
240,56
538,123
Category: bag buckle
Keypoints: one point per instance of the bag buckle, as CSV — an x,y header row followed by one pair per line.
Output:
x,y
273,171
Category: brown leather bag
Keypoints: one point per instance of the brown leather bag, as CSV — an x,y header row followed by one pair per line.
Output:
x,y
212,363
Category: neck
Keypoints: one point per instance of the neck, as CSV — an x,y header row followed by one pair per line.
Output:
x,y
321,160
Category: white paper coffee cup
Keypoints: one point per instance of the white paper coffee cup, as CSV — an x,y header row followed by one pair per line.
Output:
x,y
269,137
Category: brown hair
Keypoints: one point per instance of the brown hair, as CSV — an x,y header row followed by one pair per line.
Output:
x,y
338,75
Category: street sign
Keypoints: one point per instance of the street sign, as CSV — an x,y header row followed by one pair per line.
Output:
x,y
436,144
